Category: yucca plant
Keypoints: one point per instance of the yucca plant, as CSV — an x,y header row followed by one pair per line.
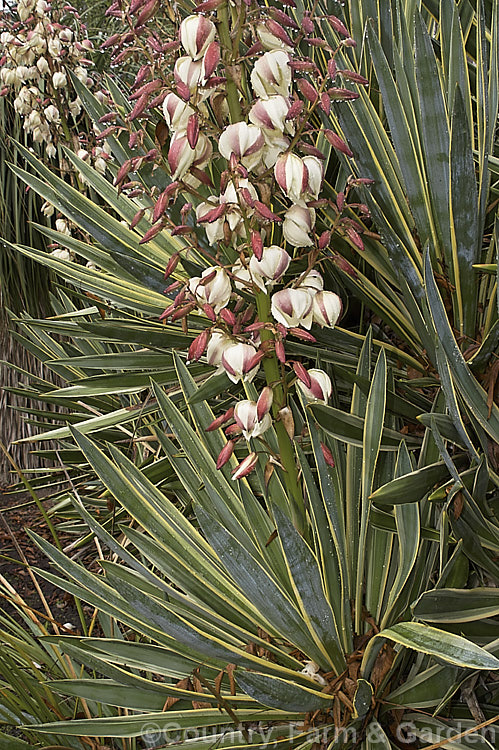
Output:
x,y
262,588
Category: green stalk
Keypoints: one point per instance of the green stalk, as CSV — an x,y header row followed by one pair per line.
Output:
x,y
286,449
233,102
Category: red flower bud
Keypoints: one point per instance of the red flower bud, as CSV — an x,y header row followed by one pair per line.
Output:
x,y
225,454
221,420
265,212
338,26
302,374
171,265
152,232
328,456
264,402
228,316
337,142
308,91
303,335
280,352
198,346
192,130
138,216
257,244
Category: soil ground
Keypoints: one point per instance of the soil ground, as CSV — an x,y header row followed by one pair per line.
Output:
x,y
18,513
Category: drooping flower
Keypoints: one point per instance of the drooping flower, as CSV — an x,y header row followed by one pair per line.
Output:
x,y
176,112
245,141
196,34
239,360
320,386
326,309
246,416
218,343
271,74
292,308
272,266
213,287
297,225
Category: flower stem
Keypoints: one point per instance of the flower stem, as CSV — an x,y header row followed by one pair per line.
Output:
x,y
233,102
286,449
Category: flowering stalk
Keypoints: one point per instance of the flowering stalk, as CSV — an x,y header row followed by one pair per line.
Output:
x,y
257,128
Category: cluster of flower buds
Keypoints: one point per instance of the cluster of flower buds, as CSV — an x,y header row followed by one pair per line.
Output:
x,y
39,50
255,121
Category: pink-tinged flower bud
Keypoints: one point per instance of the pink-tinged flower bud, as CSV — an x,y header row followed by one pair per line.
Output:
x,y
338,26
211,59
270,115
271,74
176,112
188,72
264,402
272,36
302,374
292,307
326,308
238,362
328,456
215,292
280,352
221,420
219,342
272,266
257,244
320,387
246,416
298,223
225,454
196,33
312,282
245,141
198,346
246,466
337,143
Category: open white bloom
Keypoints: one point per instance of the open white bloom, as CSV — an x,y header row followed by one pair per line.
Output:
x,y
272,266
218,343
246,416
271,74
320,388
52,114
292,308
326,309
297,225
312,282
245,141
196,33
238,362
270,115
59,80
244,277
176,112
215,292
